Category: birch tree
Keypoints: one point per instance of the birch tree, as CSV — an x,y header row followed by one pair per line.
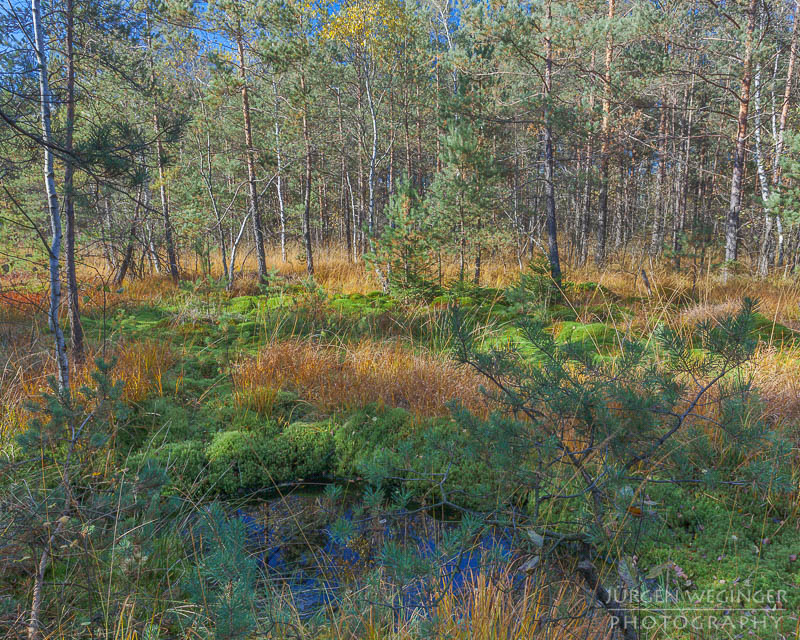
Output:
x,y
54,258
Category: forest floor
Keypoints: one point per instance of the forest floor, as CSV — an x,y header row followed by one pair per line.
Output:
x,y
271,403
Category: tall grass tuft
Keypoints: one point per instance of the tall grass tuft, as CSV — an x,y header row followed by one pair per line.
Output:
x,y
493,610
343,377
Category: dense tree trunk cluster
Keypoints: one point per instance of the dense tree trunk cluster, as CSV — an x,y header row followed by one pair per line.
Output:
x,y
618,129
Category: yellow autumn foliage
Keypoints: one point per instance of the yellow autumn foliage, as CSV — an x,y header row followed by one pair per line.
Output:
x,y
366,24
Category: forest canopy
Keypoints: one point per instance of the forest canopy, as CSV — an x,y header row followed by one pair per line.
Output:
x,y
648,128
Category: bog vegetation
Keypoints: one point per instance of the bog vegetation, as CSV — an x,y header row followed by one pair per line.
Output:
x,y
399,320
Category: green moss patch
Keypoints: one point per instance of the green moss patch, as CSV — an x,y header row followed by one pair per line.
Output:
x,y
773,332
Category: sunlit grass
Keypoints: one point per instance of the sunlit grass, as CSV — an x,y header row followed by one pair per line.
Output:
x,y
334,376
345,377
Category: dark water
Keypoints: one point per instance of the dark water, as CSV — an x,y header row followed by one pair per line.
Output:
x,y
317,575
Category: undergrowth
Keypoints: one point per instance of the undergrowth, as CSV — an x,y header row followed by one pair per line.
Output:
x,y
310,460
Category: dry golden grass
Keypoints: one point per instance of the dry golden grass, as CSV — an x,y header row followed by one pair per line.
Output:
x,y
23,377
332,377
13,418
492,610
699,288
338,272
398,377
333,269
776,375
701,312
700,292
141,365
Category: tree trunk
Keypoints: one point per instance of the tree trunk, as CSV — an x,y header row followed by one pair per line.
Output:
x,y
732,222
602,201
234,248
682,194
255,214
660,210
172,258
769,258
764,187
476,278
151,246
584,215
75,326
552,229
212,196
307,184
347,211
55,222
373,156
281,206
127,256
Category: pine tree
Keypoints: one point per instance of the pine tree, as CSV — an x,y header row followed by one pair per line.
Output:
x,y
581,435
463,195
408,246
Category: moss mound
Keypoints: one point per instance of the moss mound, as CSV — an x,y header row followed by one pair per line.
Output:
x,y
774,332
598,333
251,460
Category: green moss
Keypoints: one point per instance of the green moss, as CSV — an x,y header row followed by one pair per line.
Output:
x,y
158,420
723,539
235,460
348,305
287,407
366,431
598,333
140,319
382,445
376,295
773,332
311,448
252,460
243,305
172,418
452,466
560,312
584,286
185,462
280,301
609,312
374,302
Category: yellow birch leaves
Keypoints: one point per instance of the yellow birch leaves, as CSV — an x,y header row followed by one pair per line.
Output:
x,y
366,24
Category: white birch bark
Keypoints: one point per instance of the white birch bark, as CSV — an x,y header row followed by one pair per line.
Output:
x,y
52,200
